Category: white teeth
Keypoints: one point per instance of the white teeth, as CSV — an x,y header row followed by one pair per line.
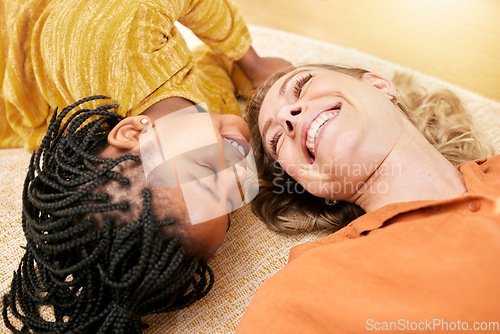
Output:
x,y
236,146
312,134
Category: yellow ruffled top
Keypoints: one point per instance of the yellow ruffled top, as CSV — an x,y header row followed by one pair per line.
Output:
x,y
57,52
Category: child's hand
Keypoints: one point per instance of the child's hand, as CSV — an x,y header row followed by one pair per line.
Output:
x,y
259,69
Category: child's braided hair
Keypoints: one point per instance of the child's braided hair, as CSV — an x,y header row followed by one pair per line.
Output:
x,y
94,273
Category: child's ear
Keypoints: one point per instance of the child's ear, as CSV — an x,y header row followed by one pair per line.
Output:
x,y
379,82
125,135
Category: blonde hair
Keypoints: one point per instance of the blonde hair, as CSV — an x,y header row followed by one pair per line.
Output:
x,y
439,116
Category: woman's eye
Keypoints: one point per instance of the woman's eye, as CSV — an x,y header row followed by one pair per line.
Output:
x,y
299,84
209,170
274,143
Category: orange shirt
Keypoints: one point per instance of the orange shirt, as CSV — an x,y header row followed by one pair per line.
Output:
x,y
424,266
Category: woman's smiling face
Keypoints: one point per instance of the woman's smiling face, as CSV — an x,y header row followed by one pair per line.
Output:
x,y
203,158
329,130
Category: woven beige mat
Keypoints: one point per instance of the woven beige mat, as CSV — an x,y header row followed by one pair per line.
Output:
x,y
251,253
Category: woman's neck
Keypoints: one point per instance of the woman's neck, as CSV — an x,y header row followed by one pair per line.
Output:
x,y
414,170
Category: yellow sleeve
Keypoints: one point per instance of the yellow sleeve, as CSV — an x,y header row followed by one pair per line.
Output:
x,y
62,51
219,25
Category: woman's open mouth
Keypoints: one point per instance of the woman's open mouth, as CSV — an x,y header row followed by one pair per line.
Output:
x,y
316,125
239,144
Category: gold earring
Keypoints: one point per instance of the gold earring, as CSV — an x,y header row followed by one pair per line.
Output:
x,y
395,96
330,202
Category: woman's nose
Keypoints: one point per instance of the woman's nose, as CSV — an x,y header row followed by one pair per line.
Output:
x,y
287,117
227,123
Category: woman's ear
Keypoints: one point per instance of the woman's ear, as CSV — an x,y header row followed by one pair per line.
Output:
x,y
379,82
125,135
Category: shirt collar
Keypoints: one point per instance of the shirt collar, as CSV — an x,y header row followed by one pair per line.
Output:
x,y
376,219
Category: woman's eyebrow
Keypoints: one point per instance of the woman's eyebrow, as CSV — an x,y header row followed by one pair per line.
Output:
x,y
284,84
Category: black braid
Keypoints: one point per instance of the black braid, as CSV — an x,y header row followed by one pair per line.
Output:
x,y
99,276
